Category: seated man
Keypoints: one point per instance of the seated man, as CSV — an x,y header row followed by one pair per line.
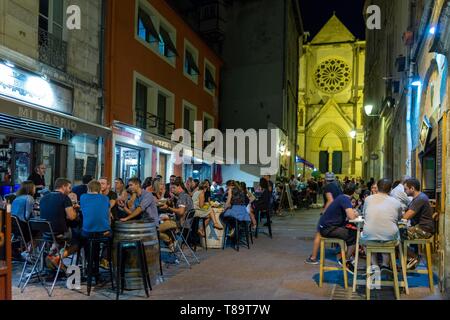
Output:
x,y
144,204
96,217
95,208
421,215
183,206
332,222
57,208
382,214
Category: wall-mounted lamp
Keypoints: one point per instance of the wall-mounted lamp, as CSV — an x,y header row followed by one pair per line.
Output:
x,y
353,134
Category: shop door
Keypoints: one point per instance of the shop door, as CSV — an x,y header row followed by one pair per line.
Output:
x,y
129,163
46,154
22,160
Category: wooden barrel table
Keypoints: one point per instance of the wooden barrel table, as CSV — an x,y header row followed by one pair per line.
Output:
x,y
146,232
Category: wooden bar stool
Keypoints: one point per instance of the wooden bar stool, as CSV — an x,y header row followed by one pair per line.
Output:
x,y
323,268
427,243
389,248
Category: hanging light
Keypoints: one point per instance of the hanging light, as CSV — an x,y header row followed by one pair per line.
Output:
x,y
368,109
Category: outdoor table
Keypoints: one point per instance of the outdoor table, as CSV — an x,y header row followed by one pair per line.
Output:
x,y
359,221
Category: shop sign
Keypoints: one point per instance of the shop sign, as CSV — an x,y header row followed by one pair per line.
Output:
x,y
31,88
50,119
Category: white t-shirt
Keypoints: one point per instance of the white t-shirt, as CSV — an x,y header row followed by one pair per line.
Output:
x,y
399,193
381,214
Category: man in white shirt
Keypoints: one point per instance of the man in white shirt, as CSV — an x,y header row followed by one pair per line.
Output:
x,y
399,193
381,213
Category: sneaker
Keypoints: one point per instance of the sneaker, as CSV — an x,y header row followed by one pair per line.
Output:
x,y
311,261
412,263
52,262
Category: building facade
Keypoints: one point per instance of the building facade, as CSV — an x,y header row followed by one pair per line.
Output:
x,y
409,95
51,108
259,43
330,127
161,76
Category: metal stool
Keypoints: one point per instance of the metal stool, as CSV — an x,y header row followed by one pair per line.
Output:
x,y
323,268
389,248
136,245
427,243
93,259
239,226
268,221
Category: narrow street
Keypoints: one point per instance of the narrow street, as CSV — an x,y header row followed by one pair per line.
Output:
x,y
273,269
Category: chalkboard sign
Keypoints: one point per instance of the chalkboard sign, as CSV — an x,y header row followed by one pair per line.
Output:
x,y
79,169
289,196
91,166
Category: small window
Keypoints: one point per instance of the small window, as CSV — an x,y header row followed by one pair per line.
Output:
x,y
166,46
146,28
141,105
210,84
190,65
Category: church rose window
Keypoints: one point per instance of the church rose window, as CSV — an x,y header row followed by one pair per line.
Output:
x,y
332,75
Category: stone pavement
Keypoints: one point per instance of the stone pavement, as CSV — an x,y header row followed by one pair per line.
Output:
x,y
272,269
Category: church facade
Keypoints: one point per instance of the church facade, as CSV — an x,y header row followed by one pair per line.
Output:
x,y
330,120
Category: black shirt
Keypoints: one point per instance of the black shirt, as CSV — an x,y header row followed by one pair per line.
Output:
x,y
114,210
80,190
37,179
423,213
332,188
53,208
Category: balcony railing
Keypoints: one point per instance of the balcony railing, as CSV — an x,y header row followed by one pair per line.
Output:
x,y
154,124
52,50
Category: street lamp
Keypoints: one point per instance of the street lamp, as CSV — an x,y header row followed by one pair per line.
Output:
x,y
368,110
353,134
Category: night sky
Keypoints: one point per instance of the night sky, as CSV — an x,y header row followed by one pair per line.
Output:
x,y
315,13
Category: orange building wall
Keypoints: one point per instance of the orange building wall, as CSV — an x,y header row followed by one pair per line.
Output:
x,y
125,54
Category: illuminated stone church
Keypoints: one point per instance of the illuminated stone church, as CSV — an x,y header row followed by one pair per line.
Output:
x,y
330,132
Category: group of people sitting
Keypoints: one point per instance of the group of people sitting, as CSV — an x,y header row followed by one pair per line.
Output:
x,y
382,211
91,209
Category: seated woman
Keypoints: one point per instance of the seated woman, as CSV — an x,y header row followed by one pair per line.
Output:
x,y
235,206
202,208
263,202
22,206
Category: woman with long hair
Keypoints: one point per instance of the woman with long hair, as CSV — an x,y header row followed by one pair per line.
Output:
x,y
22,206
202,208
263,202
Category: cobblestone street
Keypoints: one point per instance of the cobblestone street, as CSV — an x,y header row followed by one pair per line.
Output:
x,y
272,269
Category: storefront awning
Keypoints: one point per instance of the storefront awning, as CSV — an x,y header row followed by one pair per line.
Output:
x,y
29,111
307,163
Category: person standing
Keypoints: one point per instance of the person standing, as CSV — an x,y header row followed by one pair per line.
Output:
x,y
331,191
38,176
